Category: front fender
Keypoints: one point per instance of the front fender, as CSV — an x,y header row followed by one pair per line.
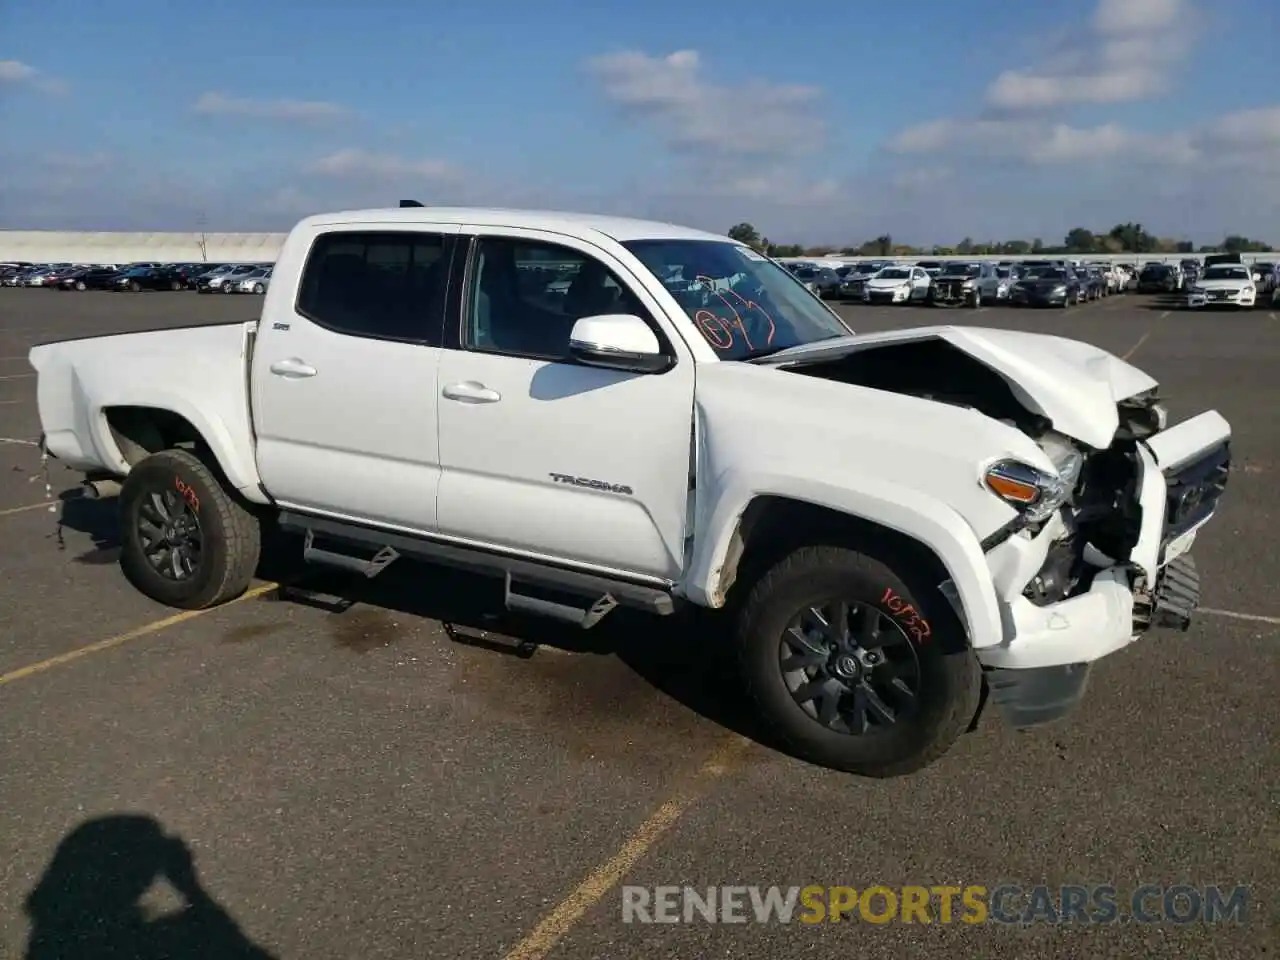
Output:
x,y
925,520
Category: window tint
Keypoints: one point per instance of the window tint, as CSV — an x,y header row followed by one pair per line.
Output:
x,y
388,286
525,297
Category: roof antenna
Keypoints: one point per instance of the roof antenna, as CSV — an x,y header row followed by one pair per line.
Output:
x,y
409,203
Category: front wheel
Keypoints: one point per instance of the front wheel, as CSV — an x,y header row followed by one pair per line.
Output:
x,y
977,299
259,289
135,286
80,285
226,288
184,541
853,668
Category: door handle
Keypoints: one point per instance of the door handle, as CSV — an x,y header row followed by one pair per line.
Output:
x,y
293,367
469,391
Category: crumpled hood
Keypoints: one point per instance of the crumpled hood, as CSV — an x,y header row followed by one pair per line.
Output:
x,y
1076,386
887,283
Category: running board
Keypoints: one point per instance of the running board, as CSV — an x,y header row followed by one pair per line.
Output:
x,y
584,617
574,597
346,561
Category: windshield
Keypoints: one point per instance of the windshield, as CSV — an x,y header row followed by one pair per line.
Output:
x,y
1226,273
894,273
1155,270
1044,273
742,303
963,270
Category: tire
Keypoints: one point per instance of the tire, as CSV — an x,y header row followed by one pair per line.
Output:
x,y
226,288
135,286
948,676
175,286
80,285
977,299
230,535
259,289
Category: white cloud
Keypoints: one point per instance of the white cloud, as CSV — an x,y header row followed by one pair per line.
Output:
x,y
294,111
754,119
17,73
1127,53
363,165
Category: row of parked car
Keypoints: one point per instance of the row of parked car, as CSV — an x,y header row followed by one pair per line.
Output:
x,y
1219,280
968,283
136,277
1216,279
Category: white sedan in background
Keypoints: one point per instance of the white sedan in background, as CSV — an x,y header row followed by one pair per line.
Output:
x,y
255,282
897,284
1226,285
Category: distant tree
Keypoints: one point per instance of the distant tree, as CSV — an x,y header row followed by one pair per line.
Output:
x,y
1015,247
1133,238
1037,245
746,233
1237,244
1079,240
1185,246
965,246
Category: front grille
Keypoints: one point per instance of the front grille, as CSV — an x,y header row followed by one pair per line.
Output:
x,y
1194,492
1219,295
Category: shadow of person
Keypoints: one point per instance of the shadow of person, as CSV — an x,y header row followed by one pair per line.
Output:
x,y
88,903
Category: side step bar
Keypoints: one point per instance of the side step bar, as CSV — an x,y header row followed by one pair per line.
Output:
x,y
579,598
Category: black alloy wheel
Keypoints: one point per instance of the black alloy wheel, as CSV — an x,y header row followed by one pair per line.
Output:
x,y
170,534
850,667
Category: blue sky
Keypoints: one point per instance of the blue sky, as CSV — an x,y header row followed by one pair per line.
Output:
x,y
930,121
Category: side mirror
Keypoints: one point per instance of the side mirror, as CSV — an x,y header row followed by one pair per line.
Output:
x,y
618,341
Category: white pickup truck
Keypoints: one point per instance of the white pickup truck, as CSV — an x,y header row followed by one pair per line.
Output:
x,y
612,412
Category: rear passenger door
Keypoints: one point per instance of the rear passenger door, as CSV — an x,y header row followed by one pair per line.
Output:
x,y
344,375
542,455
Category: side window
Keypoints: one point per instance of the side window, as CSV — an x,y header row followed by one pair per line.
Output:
x,y
524,297
379,285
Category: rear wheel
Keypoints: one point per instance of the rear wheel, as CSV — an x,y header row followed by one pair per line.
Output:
x,y
259,288
135,286
80,285
185,541
851,667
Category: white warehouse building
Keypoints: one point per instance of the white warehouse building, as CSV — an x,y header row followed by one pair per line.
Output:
x,y
57,246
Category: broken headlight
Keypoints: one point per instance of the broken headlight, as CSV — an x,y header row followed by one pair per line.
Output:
x,y
1033,493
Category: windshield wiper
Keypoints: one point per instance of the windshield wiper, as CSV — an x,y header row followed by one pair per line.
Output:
x,y
761,352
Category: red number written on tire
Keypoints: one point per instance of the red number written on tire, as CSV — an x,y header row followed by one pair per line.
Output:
x,y
907,615
188,493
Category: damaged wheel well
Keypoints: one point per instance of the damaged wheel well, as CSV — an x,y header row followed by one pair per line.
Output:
x,y
142,431
772,527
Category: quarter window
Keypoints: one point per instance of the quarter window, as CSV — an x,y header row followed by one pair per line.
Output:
x,y
383,286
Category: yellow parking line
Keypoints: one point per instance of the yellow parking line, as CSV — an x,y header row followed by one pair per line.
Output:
x,y
555,925
49,504
97,647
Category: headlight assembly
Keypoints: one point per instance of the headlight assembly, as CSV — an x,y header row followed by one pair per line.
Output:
x,y
1034,493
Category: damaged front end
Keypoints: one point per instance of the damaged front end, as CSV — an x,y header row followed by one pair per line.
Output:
x,y
1096,553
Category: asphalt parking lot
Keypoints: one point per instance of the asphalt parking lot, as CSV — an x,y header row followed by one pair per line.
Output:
x,y
355,780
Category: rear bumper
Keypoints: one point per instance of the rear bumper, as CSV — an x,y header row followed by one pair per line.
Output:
x,y
1040,669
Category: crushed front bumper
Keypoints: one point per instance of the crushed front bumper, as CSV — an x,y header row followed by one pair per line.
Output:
x,y
1039,669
